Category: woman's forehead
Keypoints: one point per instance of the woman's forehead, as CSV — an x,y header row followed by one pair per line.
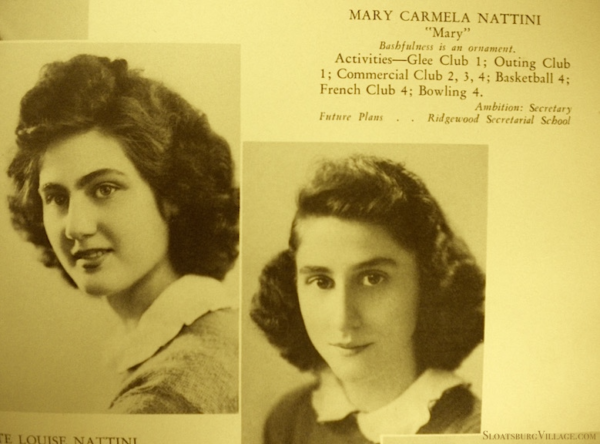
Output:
x,y
72,159
331,241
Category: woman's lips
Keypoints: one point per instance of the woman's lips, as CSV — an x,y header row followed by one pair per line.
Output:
x,y
350,348
90,258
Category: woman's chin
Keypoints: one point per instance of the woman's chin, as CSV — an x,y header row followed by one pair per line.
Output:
x,y
93,288
97,282
94,292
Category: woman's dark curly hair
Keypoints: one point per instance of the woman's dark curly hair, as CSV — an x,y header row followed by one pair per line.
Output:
x,y
381,192
169,142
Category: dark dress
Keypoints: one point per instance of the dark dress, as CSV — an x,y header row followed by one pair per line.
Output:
x,y
294,421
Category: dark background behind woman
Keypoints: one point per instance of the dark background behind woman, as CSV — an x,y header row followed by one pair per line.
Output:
x,y
35,301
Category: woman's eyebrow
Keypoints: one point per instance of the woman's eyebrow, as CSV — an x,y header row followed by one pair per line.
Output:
x,y
82,181
309,269
376,262
50,186
90,177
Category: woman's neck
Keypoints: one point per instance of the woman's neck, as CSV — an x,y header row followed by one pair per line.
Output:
x,y
133,302
380,389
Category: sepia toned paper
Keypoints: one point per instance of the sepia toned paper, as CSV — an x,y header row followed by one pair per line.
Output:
x,y
528,208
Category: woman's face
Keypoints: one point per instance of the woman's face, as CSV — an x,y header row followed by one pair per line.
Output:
x,y
101,217
358,292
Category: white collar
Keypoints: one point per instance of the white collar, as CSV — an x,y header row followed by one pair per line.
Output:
x,y
404,415
180,304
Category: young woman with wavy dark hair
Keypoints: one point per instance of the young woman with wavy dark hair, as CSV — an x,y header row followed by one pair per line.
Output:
x,y
378,298
125,188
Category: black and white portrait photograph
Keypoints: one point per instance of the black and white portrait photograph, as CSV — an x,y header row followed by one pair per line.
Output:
x,y
364,287
119,228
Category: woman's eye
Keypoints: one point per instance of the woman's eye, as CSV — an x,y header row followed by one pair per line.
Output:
x,y
323,282
105,190
56,199
372,279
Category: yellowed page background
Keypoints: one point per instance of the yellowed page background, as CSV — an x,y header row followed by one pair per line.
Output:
x,y
541,359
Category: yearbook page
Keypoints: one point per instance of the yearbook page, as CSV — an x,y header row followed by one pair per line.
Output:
x,y
403,248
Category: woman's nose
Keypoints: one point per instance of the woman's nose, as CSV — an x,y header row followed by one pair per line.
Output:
x,y
80,220
345,312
